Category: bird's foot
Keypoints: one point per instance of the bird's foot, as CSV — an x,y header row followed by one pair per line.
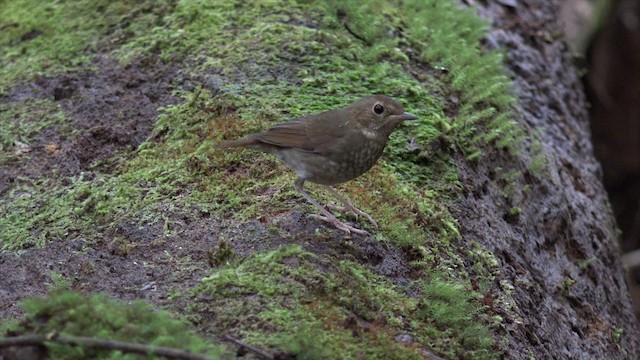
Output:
x,y
338,224
355,211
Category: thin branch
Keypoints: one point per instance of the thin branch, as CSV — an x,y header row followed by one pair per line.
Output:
x,y
354,34
39,340
261,354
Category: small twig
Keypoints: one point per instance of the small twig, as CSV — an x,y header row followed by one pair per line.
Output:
x,y
261,354
9,25
39,340
355,35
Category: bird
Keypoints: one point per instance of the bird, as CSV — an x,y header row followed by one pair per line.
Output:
x,y
331,148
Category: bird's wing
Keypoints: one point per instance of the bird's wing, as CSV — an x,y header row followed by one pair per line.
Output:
x,y
291,135
310,133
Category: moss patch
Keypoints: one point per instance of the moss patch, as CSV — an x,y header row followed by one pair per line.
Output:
x,y
44,38
23,121
306,305
70,313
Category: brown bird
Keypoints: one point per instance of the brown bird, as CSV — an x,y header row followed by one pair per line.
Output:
x,y
332,147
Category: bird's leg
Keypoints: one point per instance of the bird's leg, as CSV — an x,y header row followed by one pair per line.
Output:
x,y
328,217
349,207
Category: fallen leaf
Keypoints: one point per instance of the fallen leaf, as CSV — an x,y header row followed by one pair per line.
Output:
x,y
51,148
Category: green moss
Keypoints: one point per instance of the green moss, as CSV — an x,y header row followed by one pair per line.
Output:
x,y
514,211
454,328
70,313
162,176
617,334
221,254
41,38
9,326
21,122
33,215
294,300
584,263
57,281
566,285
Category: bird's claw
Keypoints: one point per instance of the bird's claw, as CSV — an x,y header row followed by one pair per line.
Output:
x,y
339,224
355,211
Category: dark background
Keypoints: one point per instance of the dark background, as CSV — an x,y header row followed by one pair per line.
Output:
x,y
612,83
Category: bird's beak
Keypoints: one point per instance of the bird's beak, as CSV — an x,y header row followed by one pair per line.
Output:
x,y
405,116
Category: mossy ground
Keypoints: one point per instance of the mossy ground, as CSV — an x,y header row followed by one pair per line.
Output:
x,y
319,305
98,316
263,63
41,38
23,121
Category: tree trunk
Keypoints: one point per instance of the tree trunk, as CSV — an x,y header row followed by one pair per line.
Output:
x,y
561,253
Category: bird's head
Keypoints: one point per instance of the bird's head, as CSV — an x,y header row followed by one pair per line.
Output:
x,y
379,114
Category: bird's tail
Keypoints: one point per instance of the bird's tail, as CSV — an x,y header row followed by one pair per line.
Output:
x,y
237,143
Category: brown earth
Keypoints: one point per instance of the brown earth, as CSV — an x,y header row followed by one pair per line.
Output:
x,y
92,100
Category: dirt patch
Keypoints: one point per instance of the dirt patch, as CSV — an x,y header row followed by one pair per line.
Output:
x,y
140,265
111,110
136,262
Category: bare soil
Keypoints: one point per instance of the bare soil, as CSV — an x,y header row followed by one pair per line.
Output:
x,y
112,111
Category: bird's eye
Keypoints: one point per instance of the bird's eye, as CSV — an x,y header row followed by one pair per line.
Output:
x,y
378,109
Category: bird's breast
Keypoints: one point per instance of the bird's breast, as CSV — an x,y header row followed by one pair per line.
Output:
x,y
357,159
337,167
370,134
